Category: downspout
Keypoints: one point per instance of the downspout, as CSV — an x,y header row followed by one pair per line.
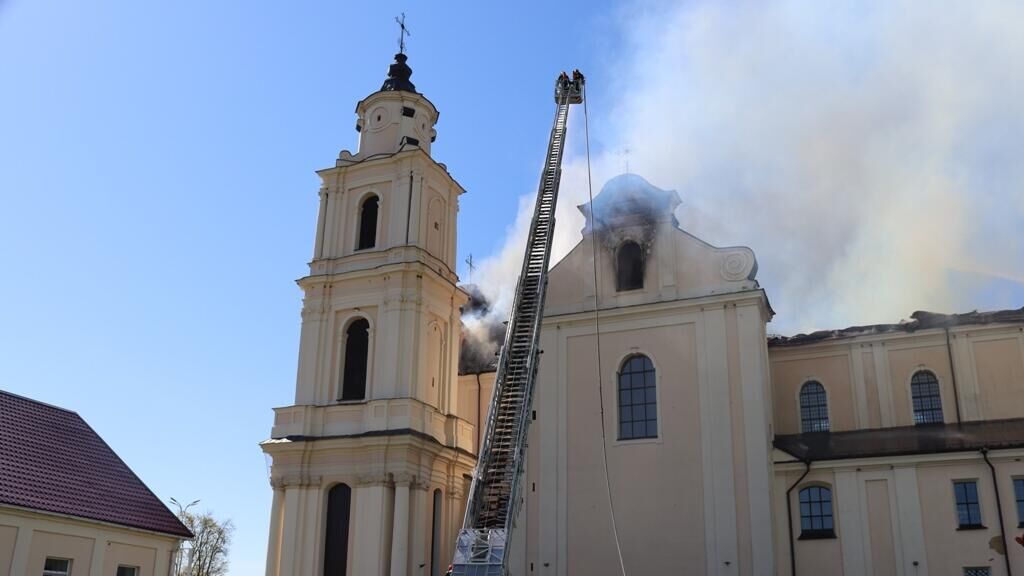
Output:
x,y
952,372
479,415
789,517
999,509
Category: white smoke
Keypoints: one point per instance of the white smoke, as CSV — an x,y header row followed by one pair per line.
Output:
x,y
870,154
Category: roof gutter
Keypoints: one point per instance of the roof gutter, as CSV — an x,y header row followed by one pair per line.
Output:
x,y
999,510
24,510
789,517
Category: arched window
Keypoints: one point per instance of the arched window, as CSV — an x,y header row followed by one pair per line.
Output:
x,y
357,350
629,267
813,408
436,556
816,513
368,223
924,392
638,400
339,504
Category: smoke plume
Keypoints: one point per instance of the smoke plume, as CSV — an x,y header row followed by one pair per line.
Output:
x,y
870,154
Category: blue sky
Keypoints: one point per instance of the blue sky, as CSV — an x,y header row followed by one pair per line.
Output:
x,y
159,198
158,195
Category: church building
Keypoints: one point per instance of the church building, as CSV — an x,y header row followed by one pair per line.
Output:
x,y
716,449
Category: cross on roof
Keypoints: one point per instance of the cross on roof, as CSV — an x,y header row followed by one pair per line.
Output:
x,y
625,153
402,33
469,263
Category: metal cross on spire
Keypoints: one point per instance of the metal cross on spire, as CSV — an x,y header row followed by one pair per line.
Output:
x,y
625,154
472,266
402,33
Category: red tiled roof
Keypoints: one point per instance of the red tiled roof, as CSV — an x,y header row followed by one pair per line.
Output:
x,y
52,461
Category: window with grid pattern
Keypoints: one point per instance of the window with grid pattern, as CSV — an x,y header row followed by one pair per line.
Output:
x,y
57,567
813,408
924,391
981,571
968,507
816,513
638,400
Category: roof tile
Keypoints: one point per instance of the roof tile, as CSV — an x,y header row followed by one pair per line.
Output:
x,y
52,461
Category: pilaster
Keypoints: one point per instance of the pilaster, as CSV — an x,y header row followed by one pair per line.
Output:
x,y
99,554
372,540
400,527
22,545
274,540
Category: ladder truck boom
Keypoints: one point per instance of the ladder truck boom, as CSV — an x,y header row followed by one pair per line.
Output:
x,y
495,495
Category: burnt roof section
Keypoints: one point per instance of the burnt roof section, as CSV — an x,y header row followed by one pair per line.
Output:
x,y
398,76
904,440
920,320
626,197
52,461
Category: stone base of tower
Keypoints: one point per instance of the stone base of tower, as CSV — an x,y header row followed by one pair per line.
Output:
x,y
406,493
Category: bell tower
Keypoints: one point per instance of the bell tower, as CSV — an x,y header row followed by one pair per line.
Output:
x,y
369,463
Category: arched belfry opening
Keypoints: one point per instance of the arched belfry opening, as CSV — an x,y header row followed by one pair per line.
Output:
x,y
339,505
629,267
368,223
357,351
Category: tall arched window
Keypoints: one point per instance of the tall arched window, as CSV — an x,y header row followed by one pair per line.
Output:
x,y
368,223
813,408
339,504
638,399
357,351
924,393
629,263
436,556
816,513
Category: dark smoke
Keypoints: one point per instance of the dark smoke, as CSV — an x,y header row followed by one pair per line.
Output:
x,y
482,334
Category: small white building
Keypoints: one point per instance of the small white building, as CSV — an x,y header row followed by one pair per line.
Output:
x,y
69,506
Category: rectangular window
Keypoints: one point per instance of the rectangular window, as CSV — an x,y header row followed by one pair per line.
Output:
x,y
57,567
1018,492
982,571
968,507
127,571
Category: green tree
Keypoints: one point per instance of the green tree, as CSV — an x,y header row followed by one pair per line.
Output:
x,y
207,553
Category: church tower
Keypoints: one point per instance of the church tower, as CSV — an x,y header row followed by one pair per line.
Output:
x,y
370,464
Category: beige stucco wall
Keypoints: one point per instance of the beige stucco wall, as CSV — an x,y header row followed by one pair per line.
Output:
x,y
95,549
698,494
1000,372
657,483
790,374
475,391
867,378
8,538
813,556
897,515
905,359
949,548
393,480
677,266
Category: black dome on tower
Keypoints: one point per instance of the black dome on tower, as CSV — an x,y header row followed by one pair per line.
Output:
x,y
398,75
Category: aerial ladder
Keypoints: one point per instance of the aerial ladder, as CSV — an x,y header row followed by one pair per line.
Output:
x,y
495,495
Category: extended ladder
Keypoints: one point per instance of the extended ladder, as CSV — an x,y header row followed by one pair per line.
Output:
x,y
495,497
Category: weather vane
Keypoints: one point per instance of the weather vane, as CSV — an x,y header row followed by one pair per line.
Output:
x,y
402,33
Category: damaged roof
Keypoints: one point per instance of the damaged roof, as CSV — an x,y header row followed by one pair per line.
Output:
x,y
920,320
904,440
52,461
